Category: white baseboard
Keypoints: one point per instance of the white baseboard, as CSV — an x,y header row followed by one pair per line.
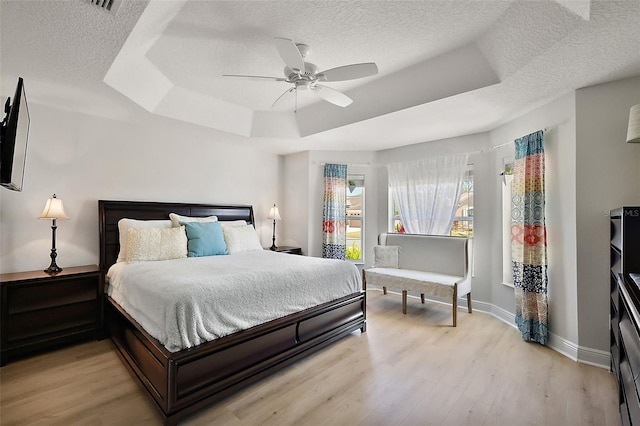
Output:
x,y
594,357
577,353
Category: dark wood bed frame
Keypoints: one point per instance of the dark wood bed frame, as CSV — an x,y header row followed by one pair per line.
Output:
x,y
185,381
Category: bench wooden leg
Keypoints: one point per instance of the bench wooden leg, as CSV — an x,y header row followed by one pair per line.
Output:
x,y
404,301
455,305
384,290
469,302
422,298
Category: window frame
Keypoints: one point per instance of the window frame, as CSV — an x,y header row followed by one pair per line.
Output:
x,y
506,195
359,179
468,177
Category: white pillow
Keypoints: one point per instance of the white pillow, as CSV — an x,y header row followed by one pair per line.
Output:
x,y
241,238
176,219
156,244
385,256
125,224
233,223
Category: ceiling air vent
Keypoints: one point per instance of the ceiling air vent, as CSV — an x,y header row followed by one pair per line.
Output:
x,y
110,6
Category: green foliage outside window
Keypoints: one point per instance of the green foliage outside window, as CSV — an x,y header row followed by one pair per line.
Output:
x,y
354,251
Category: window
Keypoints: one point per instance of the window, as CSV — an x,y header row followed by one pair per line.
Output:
x,y
355,218
507,179
463,221
397,223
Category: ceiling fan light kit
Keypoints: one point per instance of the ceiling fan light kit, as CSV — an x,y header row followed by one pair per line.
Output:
x,y
305,75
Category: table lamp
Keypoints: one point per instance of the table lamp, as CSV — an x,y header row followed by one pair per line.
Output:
x,y
275,215
53,210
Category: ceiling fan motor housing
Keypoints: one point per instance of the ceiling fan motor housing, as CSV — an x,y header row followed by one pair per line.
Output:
x,y
302,80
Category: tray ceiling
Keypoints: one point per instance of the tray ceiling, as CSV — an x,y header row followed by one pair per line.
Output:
x,y
446,68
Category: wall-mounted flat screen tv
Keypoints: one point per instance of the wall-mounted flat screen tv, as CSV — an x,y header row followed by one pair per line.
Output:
x,y
13,140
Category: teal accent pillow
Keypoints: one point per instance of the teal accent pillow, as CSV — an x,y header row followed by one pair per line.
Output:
x,y
204,239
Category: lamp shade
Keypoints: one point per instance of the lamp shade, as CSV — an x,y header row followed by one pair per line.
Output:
x,y
633,132
274,213
53,209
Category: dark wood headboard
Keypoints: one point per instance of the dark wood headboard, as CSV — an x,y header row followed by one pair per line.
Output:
x,y
110,212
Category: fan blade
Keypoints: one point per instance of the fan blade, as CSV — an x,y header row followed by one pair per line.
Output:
x,y
349,72
255,77
282,97
290,54
331,95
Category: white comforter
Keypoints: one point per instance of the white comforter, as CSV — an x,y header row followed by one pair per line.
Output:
x,y
186,302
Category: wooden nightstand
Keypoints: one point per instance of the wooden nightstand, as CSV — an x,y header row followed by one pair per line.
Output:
x,y
39,311
288,249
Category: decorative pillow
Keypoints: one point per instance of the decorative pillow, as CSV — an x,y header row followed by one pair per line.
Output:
x,y
233,223
177,220
385,256
156,244
125,224
204,239
241,238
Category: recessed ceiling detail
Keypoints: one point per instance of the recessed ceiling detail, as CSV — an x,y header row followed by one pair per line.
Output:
x,y
133,75
458,71
445,68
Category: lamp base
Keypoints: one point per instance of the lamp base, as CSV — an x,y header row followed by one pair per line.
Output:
x,y
53,269
274,247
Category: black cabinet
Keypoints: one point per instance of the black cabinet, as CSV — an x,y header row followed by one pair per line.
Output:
x,y
39,310
625,309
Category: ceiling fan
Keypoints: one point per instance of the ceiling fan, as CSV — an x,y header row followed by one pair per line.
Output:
x,y
305,75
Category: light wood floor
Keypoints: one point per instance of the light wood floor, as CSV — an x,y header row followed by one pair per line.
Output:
x,y
406,370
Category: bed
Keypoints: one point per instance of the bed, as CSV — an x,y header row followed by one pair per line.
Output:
x,y
181,381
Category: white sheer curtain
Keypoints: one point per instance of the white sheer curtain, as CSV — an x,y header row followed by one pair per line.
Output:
x,y
426,192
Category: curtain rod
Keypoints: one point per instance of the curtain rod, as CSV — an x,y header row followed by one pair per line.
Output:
x,y
349,164
493,148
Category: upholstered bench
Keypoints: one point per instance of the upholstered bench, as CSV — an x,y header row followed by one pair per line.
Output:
x,y
437,266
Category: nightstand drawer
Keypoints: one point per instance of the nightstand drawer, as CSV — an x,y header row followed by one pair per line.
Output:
x,y
48,322
42,296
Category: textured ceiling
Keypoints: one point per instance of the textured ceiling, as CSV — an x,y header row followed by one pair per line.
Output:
x,y
446,68
214,38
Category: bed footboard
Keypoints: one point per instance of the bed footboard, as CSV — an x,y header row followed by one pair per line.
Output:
x,y
182,382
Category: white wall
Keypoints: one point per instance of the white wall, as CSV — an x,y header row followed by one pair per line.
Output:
x,y
608,177
295,203
83,158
